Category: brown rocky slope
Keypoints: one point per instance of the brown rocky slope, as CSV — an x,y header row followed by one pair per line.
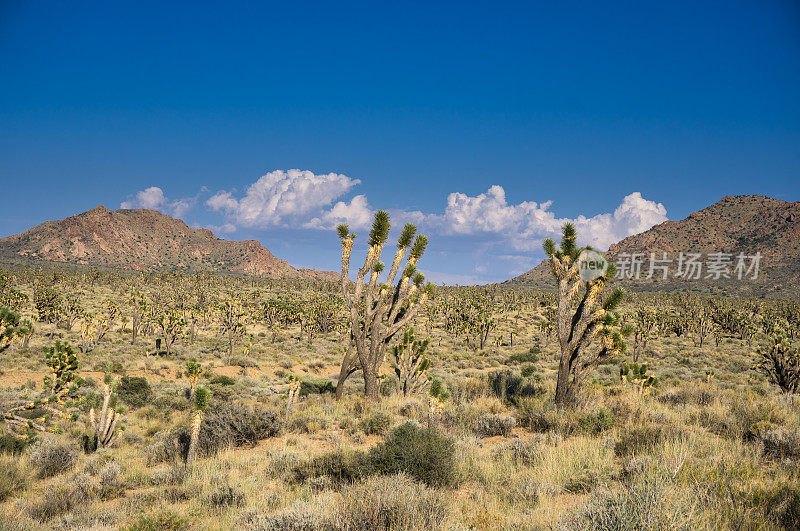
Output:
x,y
143,239
735,224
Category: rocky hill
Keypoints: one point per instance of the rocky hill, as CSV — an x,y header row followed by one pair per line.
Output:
x,y
746,224
141,239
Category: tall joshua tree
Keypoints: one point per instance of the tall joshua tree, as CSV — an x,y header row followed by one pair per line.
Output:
x,y
588,327
378,311
201,397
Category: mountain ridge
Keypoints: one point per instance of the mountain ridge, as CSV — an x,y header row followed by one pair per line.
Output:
x,y
142,239
746,224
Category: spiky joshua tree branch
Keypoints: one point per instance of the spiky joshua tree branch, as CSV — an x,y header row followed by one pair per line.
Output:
x,y
377,311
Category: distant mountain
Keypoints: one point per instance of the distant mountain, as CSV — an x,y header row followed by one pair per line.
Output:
x,y
141,239
736,224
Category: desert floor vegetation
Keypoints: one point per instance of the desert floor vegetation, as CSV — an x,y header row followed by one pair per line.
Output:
x,y
696,432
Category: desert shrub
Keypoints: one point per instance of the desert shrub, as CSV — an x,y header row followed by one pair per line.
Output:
x,y
309,420
230,426
520,451
14,476
701,395
312,515
162,449
61,497
340,466
376,423
508,385
782,443
52,456
530,356
110,480
224,495
596,422
781,504
529,371
644,505
12,445
316,386
422,453
542,416
222,380
490,425
160,521
638,439
134,390
467,390
391,502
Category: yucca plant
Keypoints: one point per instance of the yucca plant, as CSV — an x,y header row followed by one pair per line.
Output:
x,y
587,327
201,397
378,311
410,363
105,426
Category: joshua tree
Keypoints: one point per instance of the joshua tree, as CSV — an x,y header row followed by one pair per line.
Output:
x,y
193,372
637,374
779,361
105,427
294,394
201,397
25,331
9,327
63,363
71,310
410,363
231,315
379,311
588,328
171,324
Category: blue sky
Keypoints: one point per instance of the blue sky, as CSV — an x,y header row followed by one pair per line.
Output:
x,y
488,123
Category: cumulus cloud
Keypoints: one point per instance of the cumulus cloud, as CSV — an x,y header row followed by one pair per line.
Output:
x,y
153,198
357,213
502,235
281,197
526,224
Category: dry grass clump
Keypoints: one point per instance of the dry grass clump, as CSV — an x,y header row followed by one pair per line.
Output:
x,y
391,502
52,456
14,476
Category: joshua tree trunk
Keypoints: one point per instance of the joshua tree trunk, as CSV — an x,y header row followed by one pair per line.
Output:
x,y
197,419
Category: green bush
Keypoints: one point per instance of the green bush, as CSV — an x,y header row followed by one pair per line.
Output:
x,y
376,423
12,445
341,466
531,356
134,390
508,385
222,380
596,423
316,386
422,453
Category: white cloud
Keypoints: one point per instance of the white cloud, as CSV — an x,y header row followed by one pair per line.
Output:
x,y
501,236
153,198
357,214
523,226
283,196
